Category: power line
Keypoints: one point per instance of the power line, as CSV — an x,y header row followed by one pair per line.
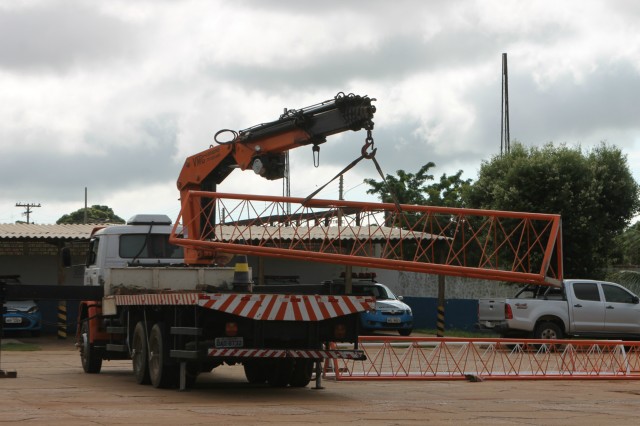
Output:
x,y
28,207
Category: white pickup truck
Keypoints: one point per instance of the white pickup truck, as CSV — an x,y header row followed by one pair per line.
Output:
x,y
580,308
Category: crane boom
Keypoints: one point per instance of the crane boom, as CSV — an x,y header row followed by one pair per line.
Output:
x,y
474,243
262,148
485,244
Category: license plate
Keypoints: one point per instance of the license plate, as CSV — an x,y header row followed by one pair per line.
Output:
x,y
229,342
393,320
13,320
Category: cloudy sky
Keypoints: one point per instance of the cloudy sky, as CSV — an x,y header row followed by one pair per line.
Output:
x,y
114,95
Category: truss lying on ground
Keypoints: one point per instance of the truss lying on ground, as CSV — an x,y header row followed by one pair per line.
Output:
x,y
485,244
415,358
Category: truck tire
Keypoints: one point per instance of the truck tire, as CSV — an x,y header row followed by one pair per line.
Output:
x,y
279,373
140,354
90,356
405,331
161,372
548,330
302,371
255,371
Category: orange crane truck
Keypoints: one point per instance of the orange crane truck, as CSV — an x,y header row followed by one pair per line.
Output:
x,y
171,306
177,311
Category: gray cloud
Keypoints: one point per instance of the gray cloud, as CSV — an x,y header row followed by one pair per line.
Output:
x,y
574,111
167,75
45,174
61,34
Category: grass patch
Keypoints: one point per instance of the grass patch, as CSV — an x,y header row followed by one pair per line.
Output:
x,y
19,347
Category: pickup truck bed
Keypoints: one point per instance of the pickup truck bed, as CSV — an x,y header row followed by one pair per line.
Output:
x,y
580,308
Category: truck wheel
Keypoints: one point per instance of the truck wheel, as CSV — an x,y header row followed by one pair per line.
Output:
x,y
161,372
90,356
255,371
279,373
301,375
140,354
548,330
405,331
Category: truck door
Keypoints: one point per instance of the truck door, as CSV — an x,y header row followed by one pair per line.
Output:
x,y
622,311
587,307
91,271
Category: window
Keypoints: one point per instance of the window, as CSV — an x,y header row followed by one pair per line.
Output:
x,y
385,293
92,253
362,290
616,294
586,291
152,246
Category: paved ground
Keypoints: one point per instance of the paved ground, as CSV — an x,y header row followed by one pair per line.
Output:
x,y
51,388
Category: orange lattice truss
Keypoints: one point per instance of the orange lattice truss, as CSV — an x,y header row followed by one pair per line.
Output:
x,y
450,358
485,244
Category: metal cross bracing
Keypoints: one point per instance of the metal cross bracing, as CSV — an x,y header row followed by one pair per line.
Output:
x,y
485,244
426,358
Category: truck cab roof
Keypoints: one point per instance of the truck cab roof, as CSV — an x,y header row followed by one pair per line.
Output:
x,y
149,219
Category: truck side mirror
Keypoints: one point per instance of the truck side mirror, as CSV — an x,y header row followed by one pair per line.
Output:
x,y
65,255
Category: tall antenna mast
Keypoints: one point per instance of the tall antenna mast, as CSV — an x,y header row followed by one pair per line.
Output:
x,y
505,138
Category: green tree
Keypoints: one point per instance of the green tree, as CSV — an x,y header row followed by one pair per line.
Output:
x,y
628,246
95,214
411,188
594,192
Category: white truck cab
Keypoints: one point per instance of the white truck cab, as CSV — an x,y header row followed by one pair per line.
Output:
x,y
143,241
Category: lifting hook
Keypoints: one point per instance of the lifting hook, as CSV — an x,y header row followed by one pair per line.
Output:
x,y
368,143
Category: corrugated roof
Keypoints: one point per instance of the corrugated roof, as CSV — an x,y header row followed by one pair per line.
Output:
x,y
80,232
373,233
45,232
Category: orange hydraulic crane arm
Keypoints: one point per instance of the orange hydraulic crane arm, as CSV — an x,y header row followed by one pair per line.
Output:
x,y
262,148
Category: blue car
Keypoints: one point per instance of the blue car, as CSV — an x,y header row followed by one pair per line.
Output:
x,y
391,313
22,315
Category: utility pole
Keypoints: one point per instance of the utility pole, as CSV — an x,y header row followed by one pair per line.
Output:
x,y
505,138
28,207
286,183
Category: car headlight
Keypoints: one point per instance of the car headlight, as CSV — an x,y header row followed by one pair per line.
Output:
x,y
33,310
408,312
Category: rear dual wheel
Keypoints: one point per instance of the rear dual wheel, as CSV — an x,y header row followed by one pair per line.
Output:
x,y
140,354
256,371
162,373
283,372
302,371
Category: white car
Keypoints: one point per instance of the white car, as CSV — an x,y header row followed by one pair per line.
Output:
x,y
391,312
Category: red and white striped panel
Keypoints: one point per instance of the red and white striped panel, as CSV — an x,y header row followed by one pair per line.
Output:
x,y
287,353
326,354
158,299
280,307
248,353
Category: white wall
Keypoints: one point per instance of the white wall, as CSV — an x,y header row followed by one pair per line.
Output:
x,y
402,283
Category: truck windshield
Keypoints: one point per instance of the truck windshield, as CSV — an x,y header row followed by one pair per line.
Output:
x,y
151,246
